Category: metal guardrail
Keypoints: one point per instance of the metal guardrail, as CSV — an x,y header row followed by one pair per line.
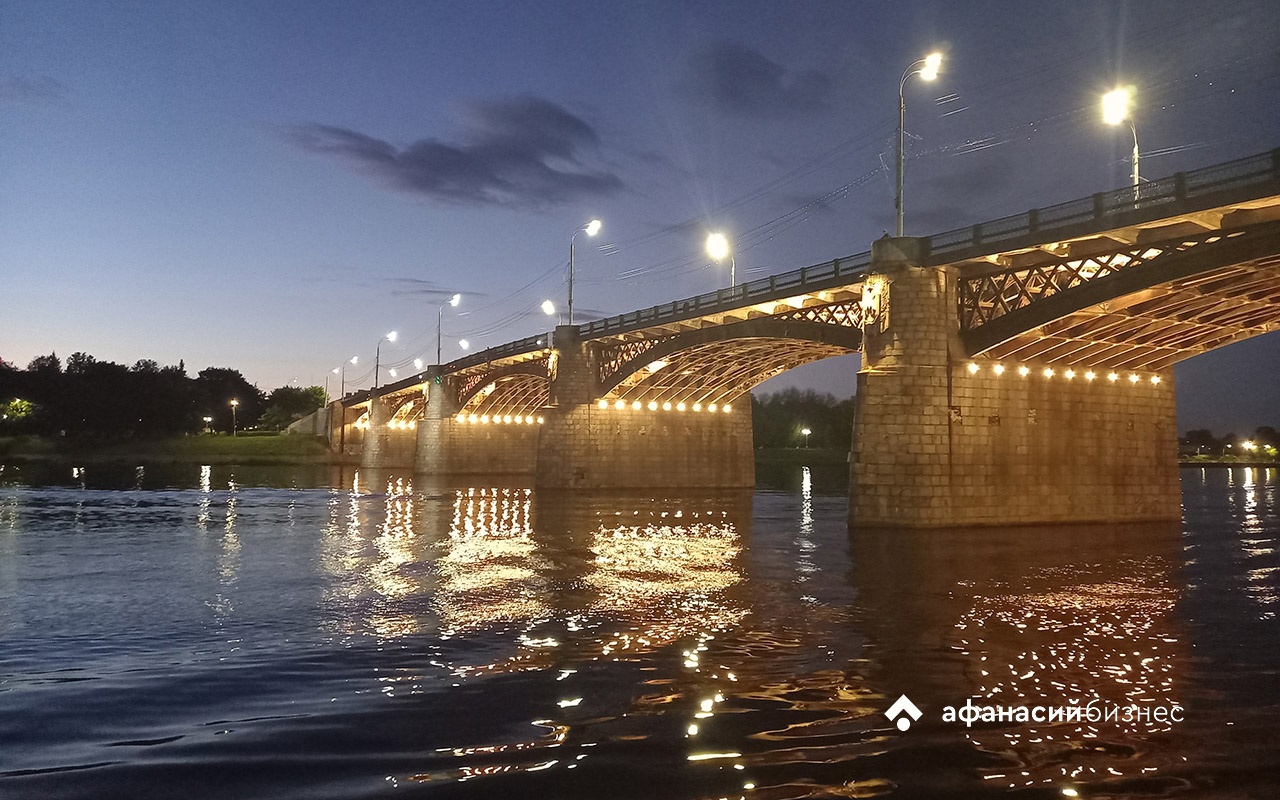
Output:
x,y
519,347
1130,205
812,278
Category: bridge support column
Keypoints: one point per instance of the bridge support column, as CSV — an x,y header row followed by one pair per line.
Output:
x,y
377,437
938,445
446,446
583,446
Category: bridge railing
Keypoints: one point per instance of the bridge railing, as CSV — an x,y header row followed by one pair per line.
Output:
x,y
805,279
519,347
1126,205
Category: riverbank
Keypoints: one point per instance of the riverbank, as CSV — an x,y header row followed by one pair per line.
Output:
x,y
206,449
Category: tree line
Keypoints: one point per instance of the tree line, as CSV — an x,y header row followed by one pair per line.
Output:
x,y
88,398
779,419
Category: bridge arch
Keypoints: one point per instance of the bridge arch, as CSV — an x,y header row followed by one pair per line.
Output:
x,y
1178,298
513,390
717,364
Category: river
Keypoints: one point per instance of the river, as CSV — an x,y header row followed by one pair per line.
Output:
x,y
230,632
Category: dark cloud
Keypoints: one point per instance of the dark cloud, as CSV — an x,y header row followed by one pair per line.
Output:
x,y
739,80
429,290
20,89
523,153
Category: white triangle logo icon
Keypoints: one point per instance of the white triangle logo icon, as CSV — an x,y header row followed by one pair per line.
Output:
x,y
903,712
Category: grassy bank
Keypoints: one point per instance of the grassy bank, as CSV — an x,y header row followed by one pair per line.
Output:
x,y
187,449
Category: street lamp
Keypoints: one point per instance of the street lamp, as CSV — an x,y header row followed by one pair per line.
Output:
x,y
927,69
342,370
591,229
377,355
464,344
1115,111
207,420
453,301
806,432
549,308
718,248
234,405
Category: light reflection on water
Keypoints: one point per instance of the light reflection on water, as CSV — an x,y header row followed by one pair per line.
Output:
x,y
391,633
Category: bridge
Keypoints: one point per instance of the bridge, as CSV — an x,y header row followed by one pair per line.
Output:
x,y
1013,371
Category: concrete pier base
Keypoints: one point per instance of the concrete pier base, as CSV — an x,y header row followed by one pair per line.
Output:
x,y
586,447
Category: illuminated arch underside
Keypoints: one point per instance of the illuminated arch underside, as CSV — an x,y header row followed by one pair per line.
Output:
x,y
1158,326
518,394
720,372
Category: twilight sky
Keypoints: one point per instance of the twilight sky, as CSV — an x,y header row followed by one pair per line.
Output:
x,y
274,186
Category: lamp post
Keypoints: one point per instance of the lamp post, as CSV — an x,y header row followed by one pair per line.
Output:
x,y
377,356
591,229
927,69
549,308
453,301
207,421
718,248
806,432
234,405
342,371
1115,110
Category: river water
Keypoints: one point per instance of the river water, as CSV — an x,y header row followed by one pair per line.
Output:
x,y
277,632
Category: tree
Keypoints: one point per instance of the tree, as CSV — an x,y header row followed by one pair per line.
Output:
x,y
288,403
216,387
46,364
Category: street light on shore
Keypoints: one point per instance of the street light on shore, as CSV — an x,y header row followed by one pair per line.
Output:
x,y
377,356
591,229
718,249
453,301
1116,111
927,69
806,432
234,405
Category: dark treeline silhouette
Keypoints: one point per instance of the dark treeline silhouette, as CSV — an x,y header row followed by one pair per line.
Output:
x,y
1262,443
778,419
87,398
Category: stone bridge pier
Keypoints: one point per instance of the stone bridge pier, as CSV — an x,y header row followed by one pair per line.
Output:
x,y
448,445
589,443
943,439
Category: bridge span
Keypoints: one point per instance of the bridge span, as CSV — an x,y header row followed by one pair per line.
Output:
x,y
1014,371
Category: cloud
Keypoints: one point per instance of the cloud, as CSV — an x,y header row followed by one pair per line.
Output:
x,y
430,290
21,89
741,81
525,152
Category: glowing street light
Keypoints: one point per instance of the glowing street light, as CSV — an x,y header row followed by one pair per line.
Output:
x,y
549,308
207,422
234,405
453,301
806,432
341,370
377,356
464,344
927,69
591,229
1115,111
718,249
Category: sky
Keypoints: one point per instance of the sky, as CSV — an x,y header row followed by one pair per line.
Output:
x,y
273,187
